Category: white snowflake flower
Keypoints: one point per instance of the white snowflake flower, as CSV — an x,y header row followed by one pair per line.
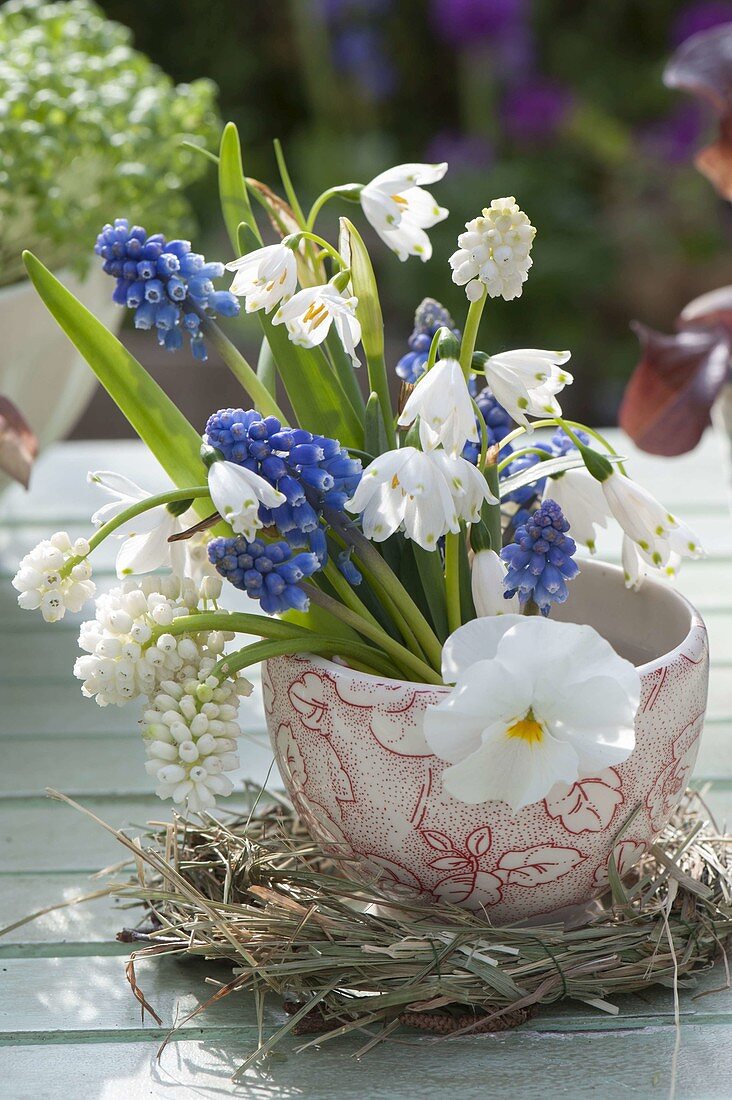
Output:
x,y
265,277
237,494
145,547
190,730
45,582
493,253
487,571
655,531
309,314
527,380
400,210
582,501
442,402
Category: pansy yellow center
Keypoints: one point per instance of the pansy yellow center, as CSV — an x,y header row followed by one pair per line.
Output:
x,y
527,729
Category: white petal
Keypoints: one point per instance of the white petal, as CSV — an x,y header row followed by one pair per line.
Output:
x,y
486,581
477,640
455,726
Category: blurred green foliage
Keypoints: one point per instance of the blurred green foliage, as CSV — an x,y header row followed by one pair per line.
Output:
x,y
599,158
90,129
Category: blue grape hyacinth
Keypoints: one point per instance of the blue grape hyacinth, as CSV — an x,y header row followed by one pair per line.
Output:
x,y
540,560
428,318
268,572
164,282
498,424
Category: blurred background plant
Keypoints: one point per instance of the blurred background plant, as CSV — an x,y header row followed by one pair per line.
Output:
x,y
87,125
559,102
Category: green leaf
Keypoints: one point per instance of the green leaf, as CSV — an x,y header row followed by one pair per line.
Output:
x,y
430,572
267,368
169,436
550,468
375,441
233,194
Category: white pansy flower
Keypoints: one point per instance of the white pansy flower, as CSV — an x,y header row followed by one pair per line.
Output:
x,y
265,277
45,582
536,702
190,730
527,380
582,501
237,494
644,519
493,253
400,210
145,547
309,314
487,571
427,493
120,660
442,402
636,568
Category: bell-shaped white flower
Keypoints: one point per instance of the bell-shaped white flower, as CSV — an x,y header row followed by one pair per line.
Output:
x,y
655,531
442,402
582,501
636,567
487,571
493,253
309,314
265,277
536,702
45,582
237,494
400,210
466,483
145,547
527,380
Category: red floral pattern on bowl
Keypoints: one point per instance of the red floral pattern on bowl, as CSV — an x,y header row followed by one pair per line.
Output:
x,y
352,755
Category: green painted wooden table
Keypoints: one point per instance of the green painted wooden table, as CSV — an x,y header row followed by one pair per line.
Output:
x,y
68,1024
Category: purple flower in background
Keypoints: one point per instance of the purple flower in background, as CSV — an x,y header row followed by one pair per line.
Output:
x,y
345,9
462,21
536,110
674,138
359,52
698,17
461,151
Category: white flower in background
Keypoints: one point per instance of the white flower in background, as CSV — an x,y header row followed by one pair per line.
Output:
x,y
120,659
487,571
310,313
527,380
145,547
42,584
237,493
400,210
425,492
536,702
265,277
191,731
582,501
656,533
636,568
493,253
442,402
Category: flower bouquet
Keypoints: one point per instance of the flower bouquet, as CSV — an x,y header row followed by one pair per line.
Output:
x,y
455,704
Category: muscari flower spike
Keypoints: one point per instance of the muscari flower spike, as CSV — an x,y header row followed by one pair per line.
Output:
x,y
165,283
429,317
268,572
540,560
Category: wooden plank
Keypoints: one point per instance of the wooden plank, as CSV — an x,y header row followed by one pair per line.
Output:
x,y
93,923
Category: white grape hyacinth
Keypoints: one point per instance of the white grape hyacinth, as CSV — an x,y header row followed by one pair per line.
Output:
x,y
400,210
121,661
190,730
145,546
527,380
45,582
493,253
442,402
536,702
427,493
310,313
265,277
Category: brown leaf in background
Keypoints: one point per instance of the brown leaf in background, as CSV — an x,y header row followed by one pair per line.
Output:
x,y
18,444
667,402
702,65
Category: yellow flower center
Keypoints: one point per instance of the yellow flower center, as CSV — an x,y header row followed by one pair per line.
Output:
x,y
528,729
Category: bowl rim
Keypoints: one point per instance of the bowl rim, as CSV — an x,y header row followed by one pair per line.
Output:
x,y
648,667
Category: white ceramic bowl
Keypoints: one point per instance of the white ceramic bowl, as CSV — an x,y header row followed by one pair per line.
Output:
x,y
352,755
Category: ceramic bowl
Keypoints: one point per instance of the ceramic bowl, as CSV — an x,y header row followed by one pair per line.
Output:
x,y
353,758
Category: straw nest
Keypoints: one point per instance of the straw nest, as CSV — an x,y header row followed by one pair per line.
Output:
x,y
258,893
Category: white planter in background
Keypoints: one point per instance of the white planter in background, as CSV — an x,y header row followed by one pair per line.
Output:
x,y
40,369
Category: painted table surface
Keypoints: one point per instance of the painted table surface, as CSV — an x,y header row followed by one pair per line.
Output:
x,y
69,1026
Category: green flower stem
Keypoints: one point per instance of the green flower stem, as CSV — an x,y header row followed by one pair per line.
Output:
x,y
287,184
393,611
334,254
379,384
470,332
452,580
492,512
241,622
318,205
387,580
402,656
519,454
237,364
557,422
365,656
346,594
